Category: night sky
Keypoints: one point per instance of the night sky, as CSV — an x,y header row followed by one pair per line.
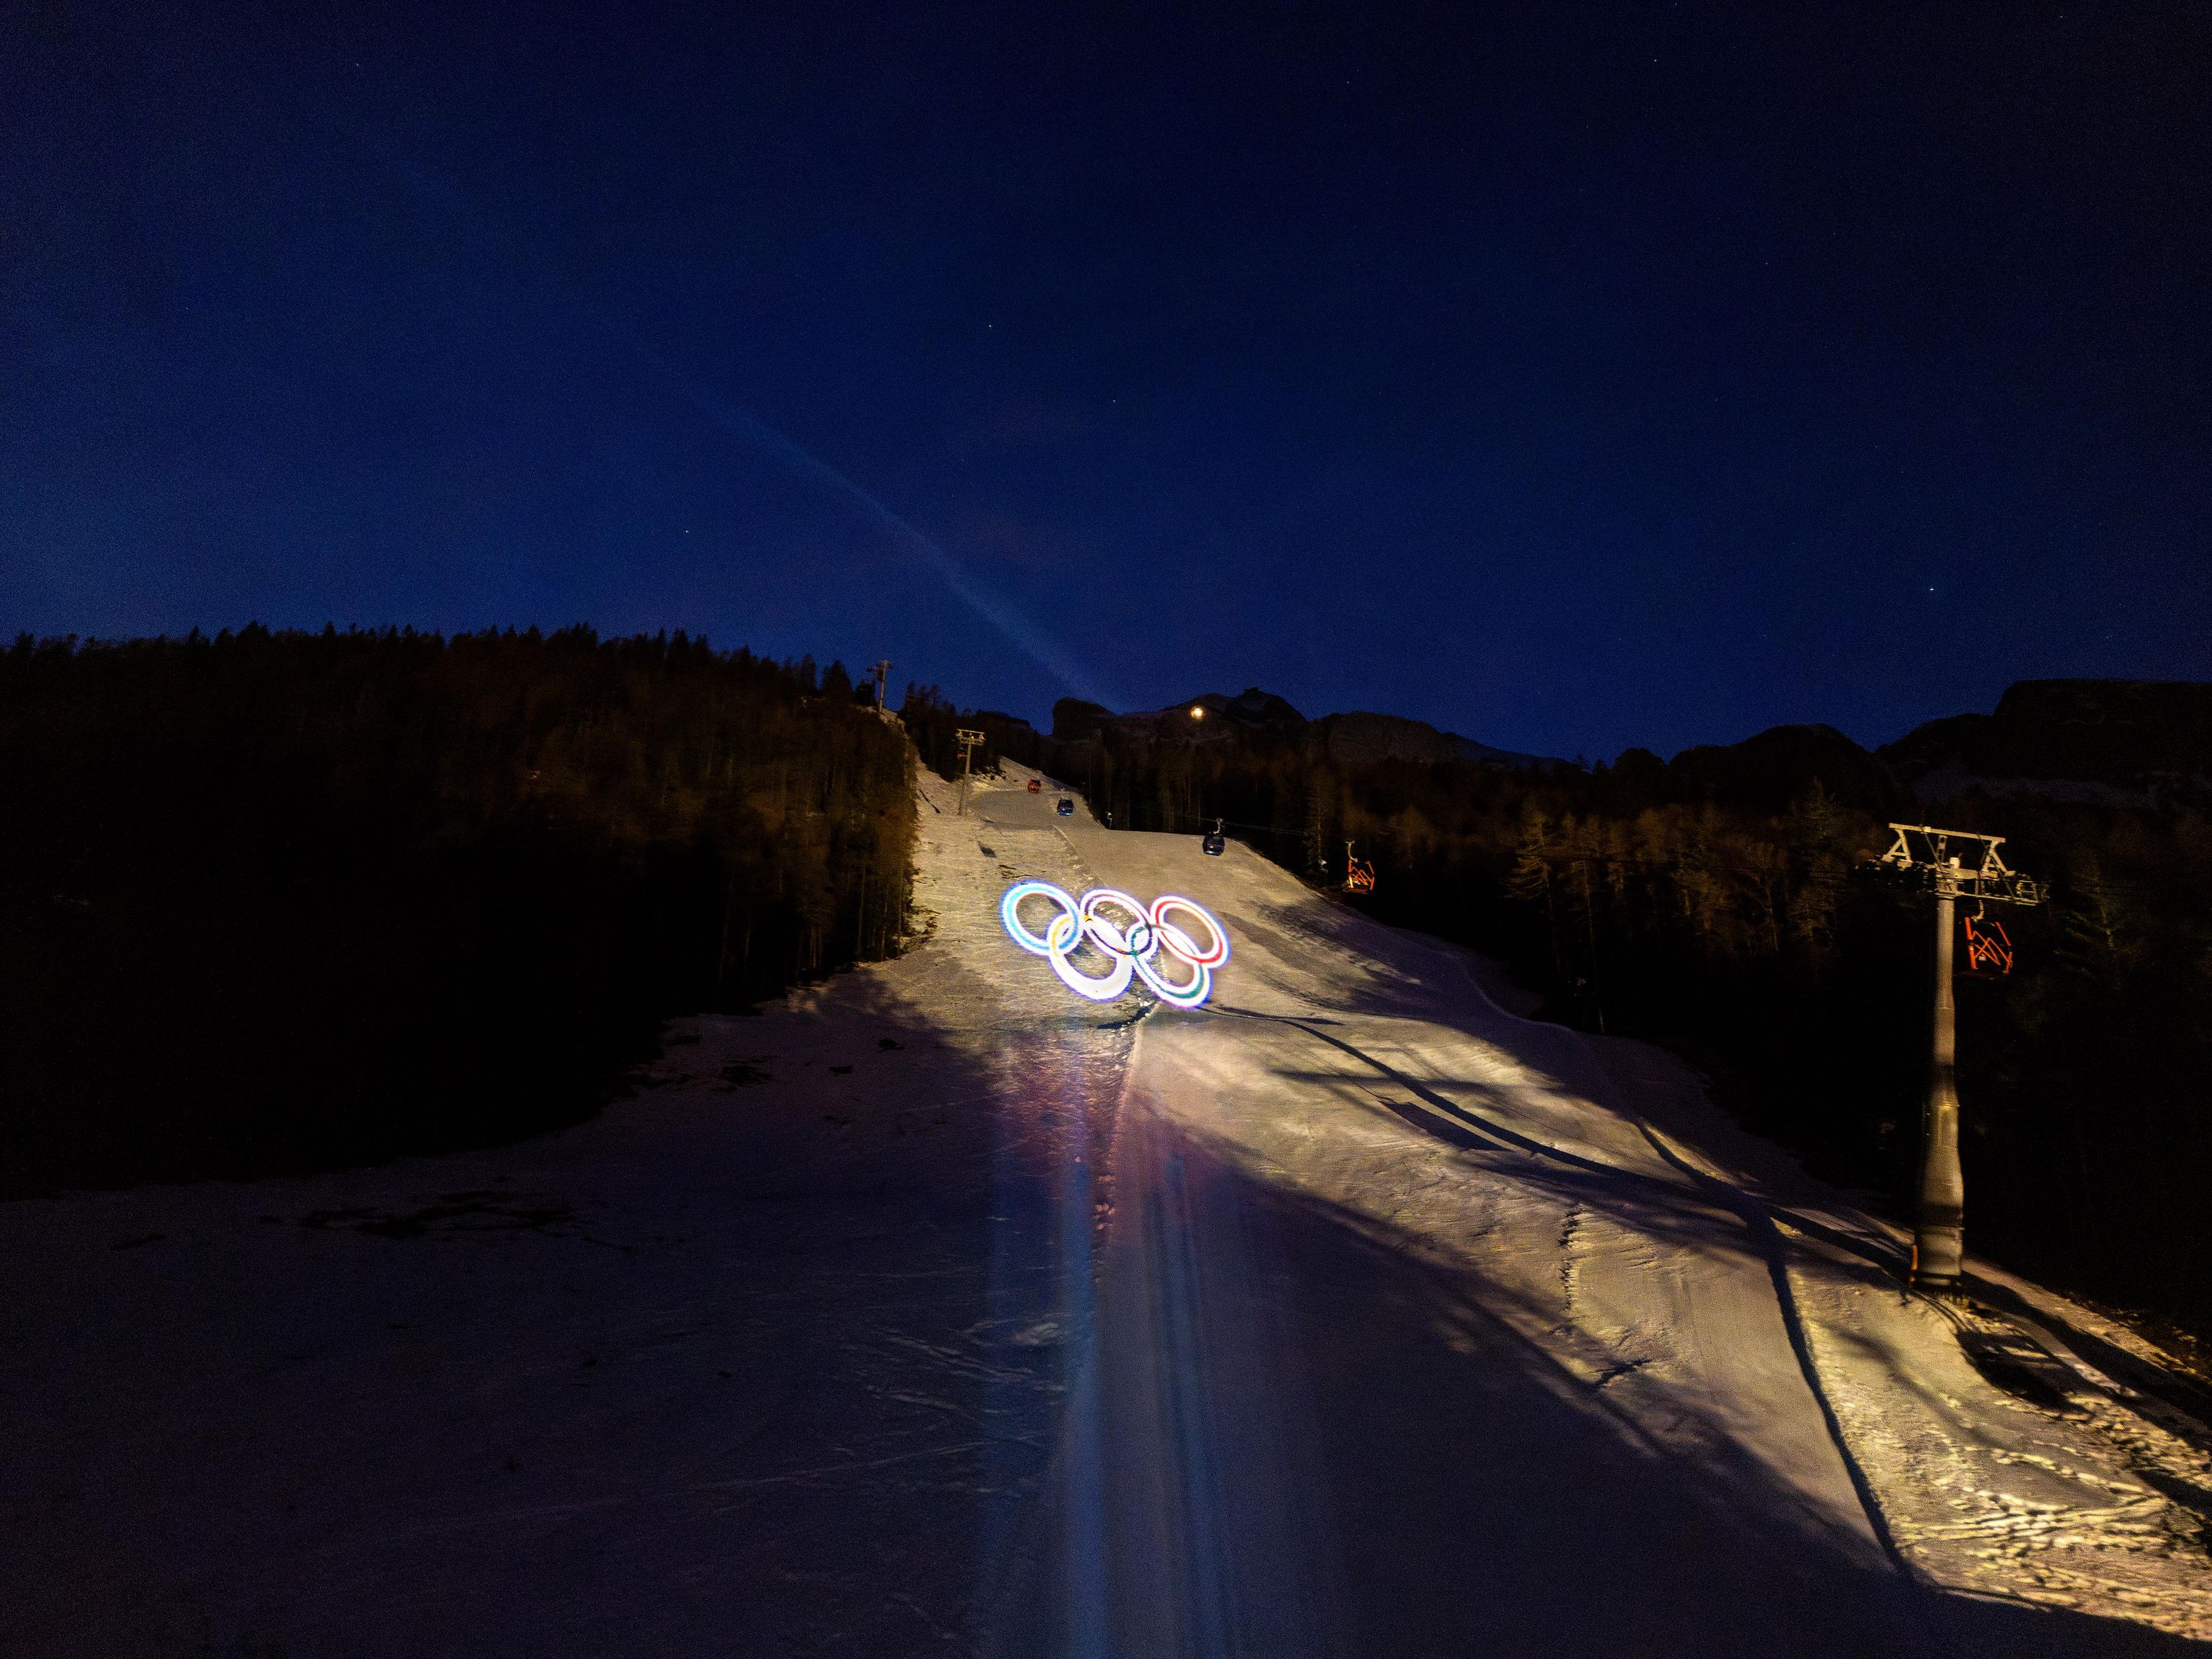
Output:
x,y
1572,377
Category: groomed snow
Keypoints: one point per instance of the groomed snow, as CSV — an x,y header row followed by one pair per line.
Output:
x,y
936,1310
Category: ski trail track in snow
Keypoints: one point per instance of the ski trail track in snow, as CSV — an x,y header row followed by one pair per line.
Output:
x,y
1754,1216
935,1311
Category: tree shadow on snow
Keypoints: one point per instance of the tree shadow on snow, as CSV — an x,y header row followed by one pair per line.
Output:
x,y
1481,1493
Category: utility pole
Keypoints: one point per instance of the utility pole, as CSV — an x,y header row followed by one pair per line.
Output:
x,y
1924,855
966,739
882,670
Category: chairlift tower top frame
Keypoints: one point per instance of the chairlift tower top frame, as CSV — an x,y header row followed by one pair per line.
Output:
x,y
1945,872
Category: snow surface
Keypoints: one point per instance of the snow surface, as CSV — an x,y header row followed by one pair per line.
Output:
x,y
937,1311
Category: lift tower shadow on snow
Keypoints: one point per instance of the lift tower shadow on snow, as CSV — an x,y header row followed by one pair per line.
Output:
x,y
1923,856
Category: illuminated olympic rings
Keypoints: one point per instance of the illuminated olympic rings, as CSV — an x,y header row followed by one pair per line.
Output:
x,y
1139,940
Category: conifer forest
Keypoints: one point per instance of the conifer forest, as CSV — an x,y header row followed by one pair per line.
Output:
x,y
1721,904
278,902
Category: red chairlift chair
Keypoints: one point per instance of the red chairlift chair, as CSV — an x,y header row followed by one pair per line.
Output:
x,y
1359,873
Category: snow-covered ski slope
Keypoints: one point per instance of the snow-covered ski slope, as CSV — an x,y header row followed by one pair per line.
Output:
x,y
1425,1325
936,1310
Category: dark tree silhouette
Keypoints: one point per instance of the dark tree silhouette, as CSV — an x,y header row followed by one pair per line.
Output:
x,y
1709,903
279,902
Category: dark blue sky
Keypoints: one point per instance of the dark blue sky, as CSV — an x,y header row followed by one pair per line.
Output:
x,y
1572,377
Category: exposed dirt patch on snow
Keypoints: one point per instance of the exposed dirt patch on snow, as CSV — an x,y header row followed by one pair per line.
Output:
x,y
477,1213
